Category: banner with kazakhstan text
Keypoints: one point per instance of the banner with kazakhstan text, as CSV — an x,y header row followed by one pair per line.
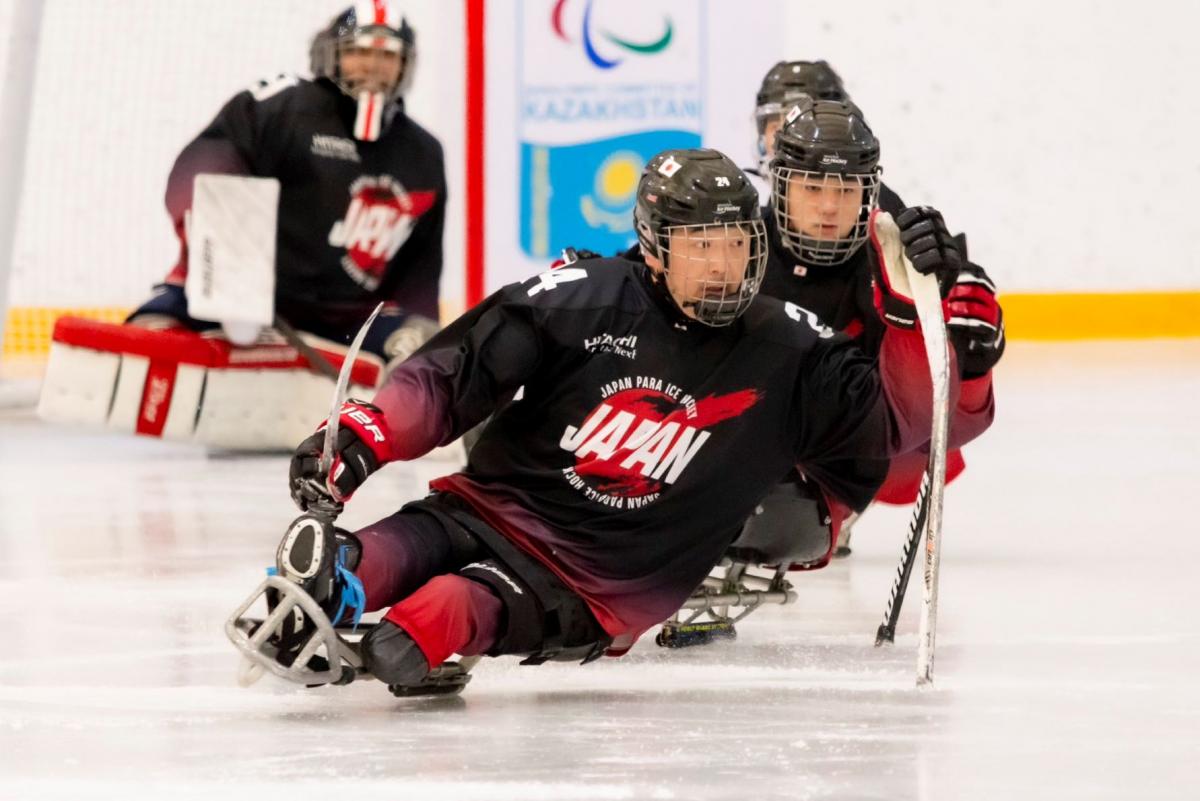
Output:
x,y
600,91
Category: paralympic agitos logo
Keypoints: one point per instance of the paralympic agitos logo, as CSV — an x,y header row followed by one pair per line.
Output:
x,y
642,437
588,37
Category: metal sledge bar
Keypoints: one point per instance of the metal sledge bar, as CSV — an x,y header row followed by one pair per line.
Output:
x,y
747,580
251,637
735,598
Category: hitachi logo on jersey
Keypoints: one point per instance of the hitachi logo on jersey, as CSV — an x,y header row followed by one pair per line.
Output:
x,y
606,343
657,449
334,147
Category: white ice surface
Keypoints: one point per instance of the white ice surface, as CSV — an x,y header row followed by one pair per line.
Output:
x,y
1067,665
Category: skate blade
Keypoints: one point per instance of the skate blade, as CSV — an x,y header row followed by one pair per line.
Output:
x,y
449,678
690,635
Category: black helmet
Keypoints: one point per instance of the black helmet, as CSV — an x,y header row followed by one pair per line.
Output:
x,y
367,23
704,196
785,84
827,145
787,80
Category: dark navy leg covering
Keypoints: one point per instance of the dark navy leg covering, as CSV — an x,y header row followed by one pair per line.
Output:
x,y
402,552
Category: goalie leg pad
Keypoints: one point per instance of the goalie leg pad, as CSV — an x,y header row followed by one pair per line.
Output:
x,y
180,385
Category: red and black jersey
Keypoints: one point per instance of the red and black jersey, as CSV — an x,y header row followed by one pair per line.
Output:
x,y
639,443
359,222
841,295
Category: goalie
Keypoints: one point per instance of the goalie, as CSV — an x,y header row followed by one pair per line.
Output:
x,y
299,208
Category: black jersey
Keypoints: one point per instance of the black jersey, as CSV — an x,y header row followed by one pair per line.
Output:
x,y
839,294
639,443
842,296
359,222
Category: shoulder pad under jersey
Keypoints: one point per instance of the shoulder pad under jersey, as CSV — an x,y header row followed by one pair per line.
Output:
x,y
266,88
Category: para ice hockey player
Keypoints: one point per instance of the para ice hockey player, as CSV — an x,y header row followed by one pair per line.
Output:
x,y
825,183
784,85
659,401
353,215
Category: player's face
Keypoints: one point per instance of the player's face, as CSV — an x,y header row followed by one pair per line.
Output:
x,y
707,262
824,206
770,128
370,69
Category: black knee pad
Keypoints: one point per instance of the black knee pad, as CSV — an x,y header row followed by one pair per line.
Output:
x,y
521,624
392,656
542,618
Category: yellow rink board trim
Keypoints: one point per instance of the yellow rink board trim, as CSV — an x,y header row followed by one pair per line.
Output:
x,y
1046,317
27,329
1101,315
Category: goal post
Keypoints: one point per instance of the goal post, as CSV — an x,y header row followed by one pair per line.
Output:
x,y
16,101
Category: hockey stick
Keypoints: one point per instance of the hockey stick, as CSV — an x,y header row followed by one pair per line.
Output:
x,y
927,514
316,362
929,310
916,526
321,511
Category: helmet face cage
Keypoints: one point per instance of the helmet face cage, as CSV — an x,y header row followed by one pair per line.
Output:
x,y
332,44
822,217
385,40
713,270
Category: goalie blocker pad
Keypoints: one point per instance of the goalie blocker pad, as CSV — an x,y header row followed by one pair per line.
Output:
x,y
180,385
231,233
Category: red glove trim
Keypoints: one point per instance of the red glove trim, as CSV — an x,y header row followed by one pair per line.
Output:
x,y
371,426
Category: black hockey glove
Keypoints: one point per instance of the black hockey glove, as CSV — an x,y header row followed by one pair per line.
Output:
x,y
571,256
929,246
976,324
361,448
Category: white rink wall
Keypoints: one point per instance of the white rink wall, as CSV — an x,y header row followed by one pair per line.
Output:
x,y
1059,136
